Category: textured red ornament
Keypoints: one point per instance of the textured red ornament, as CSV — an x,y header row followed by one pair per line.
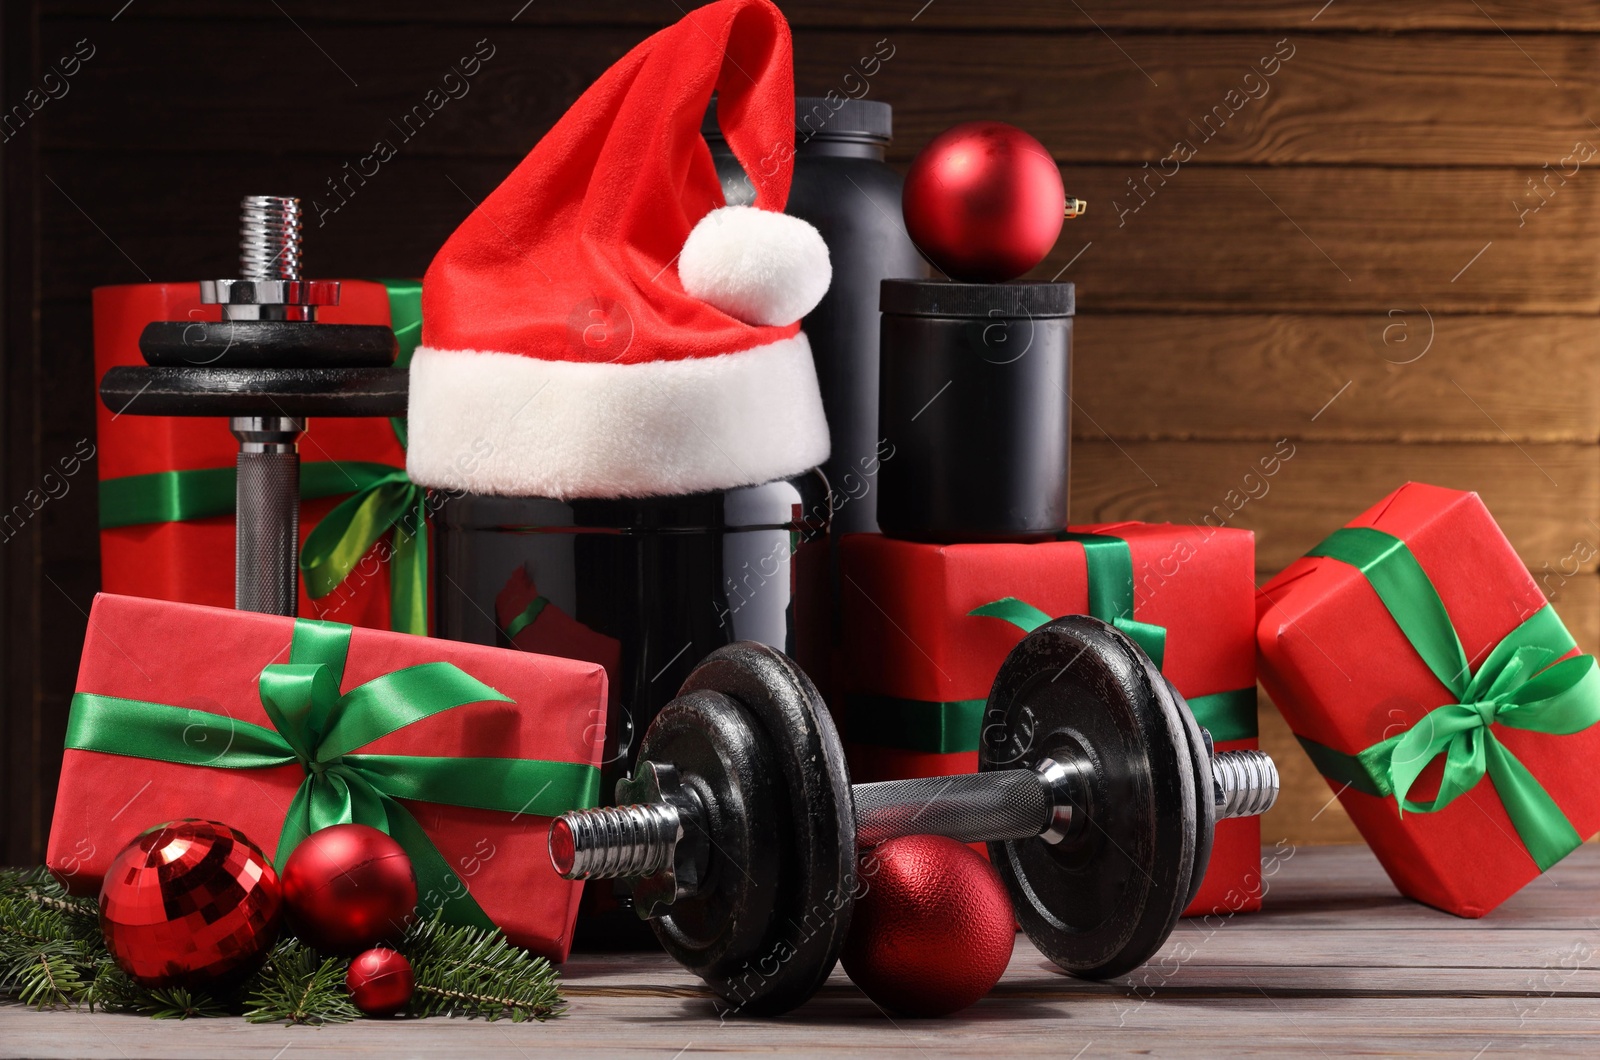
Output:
x,y
189,903
380,982
984,202
348,887
934,931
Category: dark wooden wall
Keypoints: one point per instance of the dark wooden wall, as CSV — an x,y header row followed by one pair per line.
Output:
x,y
1338,259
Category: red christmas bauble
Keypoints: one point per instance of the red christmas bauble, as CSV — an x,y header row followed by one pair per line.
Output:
x,y
189,903
380,982
348,887
934,931
984,202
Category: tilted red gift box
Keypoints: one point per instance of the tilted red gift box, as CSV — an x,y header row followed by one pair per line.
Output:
x,y
528,745
191,559
916,666
1347,678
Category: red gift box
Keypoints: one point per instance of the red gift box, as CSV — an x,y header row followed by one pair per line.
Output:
x,y
191,559
186,711
1382,643
917,665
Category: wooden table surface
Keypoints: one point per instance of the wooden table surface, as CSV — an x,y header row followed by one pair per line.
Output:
x,y
1336,963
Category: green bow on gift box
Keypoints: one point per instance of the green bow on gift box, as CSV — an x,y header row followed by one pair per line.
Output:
x,y
323,731
956,725
1520,685
382,501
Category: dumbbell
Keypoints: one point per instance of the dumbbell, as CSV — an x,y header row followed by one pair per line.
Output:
x,y
266,366
1097,794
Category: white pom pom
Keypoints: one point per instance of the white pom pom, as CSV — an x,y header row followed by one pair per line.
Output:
x,y
755,265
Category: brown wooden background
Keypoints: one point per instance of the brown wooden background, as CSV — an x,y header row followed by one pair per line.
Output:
x,y
1342,264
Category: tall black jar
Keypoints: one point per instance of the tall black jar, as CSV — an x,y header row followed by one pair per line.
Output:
x,y
843,186
646,587
976,410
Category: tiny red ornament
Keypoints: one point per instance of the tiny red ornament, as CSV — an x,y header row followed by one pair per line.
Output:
x,y
381,982
189,903
349,887
934,931
984,202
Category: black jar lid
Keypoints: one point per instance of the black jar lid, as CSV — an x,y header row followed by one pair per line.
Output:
x,y
948,298
818,118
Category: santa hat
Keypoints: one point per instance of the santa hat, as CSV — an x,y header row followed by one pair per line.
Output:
x,y
602,325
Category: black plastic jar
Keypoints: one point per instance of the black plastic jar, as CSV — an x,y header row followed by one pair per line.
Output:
x,y
843,186
646,587
976,410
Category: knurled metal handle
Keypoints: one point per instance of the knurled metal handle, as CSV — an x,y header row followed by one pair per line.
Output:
x,y
267,532
1006,804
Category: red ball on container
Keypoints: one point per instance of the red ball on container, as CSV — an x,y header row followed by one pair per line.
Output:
x,y
349,887
984,202
934,931
189,903
381,982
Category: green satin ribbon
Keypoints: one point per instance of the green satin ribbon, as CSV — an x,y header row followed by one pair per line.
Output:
x,y
956,726
526,617
322,730
1520,685
179,496
405,320
1110,567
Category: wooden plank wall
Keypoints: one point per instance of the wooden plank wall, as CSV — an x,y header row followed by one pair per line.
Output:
x,y
1365,227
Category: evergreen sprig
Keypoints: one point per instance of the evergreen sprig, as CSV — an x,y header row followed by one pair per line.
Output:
x,y
53,955
463,971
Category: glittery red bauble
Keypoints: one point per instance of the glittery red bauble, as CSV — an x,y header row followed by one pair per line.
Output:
x,y
189,903
348,887
380,982
934,931
984,202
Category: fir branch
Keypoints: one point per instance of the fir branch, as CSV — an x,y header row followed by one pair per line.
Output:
x,y
49,942
296,985
472,972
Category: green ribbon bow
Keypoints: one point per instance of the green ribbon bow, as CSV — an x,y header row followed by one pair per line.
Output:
x,y
382,499
1520,685
322,730
952,726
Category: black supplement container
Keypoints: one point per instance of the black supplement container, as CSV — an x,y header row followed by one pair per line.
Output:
x,y
976,410
843,186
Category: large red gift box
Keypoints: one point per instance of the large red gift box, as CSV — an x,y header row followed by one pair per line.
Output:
x,y
917,665
186,711
190,559
1392,651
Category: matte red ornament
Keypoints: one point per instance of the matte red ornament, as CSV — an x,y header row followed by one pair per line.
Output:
x,y
349,887
189,903
984,202
381,982
934,931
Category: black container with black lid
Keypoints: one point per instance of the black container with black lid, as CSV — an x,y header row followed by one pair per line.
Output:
x,y
976,410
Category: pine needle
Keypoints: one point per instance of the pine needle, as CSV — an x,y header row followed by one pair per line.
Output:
x,y
472,972
296,985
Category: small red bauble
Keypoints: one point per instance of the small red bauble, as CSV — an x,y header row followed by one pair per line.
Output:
x,y
189,903
934,931
984,202
348,887
380,982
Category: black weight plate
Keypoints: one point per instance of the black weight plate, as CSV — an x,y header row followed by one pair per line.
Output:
x,y
1101,902
1204,792
255,391
721,752
266,344
814,831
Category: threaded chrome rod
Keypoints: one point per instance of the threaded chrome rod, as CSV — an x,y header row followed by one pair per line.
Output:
x,y
1246,783
613,842
269,237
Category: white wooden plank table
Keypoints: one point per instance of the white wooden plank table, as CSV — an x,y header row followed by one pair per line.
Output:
x,y
1335,964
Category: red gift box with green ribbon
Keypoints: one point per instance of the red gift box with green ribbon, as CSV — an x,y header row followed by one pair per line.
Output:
x,y
925,628
280,726
1440,695
167,482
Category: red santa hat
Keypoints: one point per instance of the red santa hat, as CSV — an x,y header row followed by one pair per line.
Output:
x,y
602,325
